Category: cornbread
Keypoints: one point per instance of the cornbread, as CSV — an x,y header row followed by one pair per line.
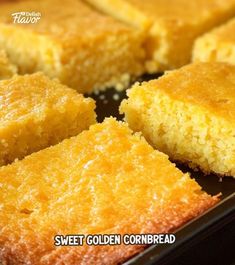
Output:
x,y
36,112
84,49
216,45
7,69
189,114
172,25
103,181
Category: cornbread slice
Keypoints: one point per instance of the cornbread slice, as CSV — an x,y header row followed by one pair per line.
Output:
x,y
172,25
36,112
103,181
83,48
7,69
189,114
216,45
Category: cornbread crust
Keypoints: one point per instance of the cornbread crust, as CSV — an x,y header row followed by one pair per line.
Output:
x,y
36,112
172,26
83,48
216,45
189,114
7,69
105,180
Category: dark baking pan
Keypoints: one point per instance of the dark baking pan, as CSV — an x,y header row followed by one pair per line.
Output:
x,y
189,235
197,230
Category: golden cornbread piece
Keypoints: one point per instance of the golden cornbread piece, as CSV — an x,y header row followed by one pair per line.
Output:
x,y
103,181
172,25
36,112
7,69
216,45
189,114
83,48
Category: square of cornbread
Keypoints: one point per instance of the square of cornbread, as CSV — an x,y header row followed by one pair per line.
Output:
x,y
36,112
85,49
7,69
189,114
171,25
106,180
216,45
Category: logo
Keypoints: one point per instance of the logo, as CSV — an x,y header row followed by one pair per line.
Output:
x,y
26,17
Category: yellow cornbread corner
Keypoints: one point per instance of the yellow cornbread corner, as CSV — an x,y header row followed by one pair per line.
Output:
x,y
189,114
87,185
84,49
216,45
171,25
7,69
36,112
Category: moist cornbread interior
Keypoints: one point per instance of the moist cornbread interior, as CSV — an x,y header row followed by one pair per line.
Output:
x,y
103,181
189,114
85,49
216,45
7,69
36,112
171,25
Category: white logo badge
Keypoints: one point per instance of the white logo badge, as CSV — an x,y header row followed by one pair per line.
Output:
x,y
26,17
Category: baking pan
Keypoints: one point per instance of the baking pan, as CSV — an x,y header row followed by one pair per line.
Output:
x,y
198,229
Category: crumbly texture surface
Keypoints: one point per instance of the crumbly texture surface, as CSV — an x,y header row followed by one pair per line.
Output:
x,y
217,45
88,184
7,69
83,48
171,25
36,112
189,114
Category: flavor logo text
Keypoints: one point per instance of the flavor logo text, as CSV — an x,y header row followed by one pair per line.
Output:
x,y
26,17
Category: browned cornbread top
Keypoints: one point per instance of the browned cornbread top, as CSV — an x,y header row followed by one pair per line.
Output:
x,y
103,181
33,96
36,112
209,85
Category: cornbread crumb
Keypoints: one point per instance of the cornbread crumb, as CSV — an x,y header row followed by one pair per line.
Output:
x,y
116,96
171,26
216,45
87,185
81,47
36,112
189,114
7,69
